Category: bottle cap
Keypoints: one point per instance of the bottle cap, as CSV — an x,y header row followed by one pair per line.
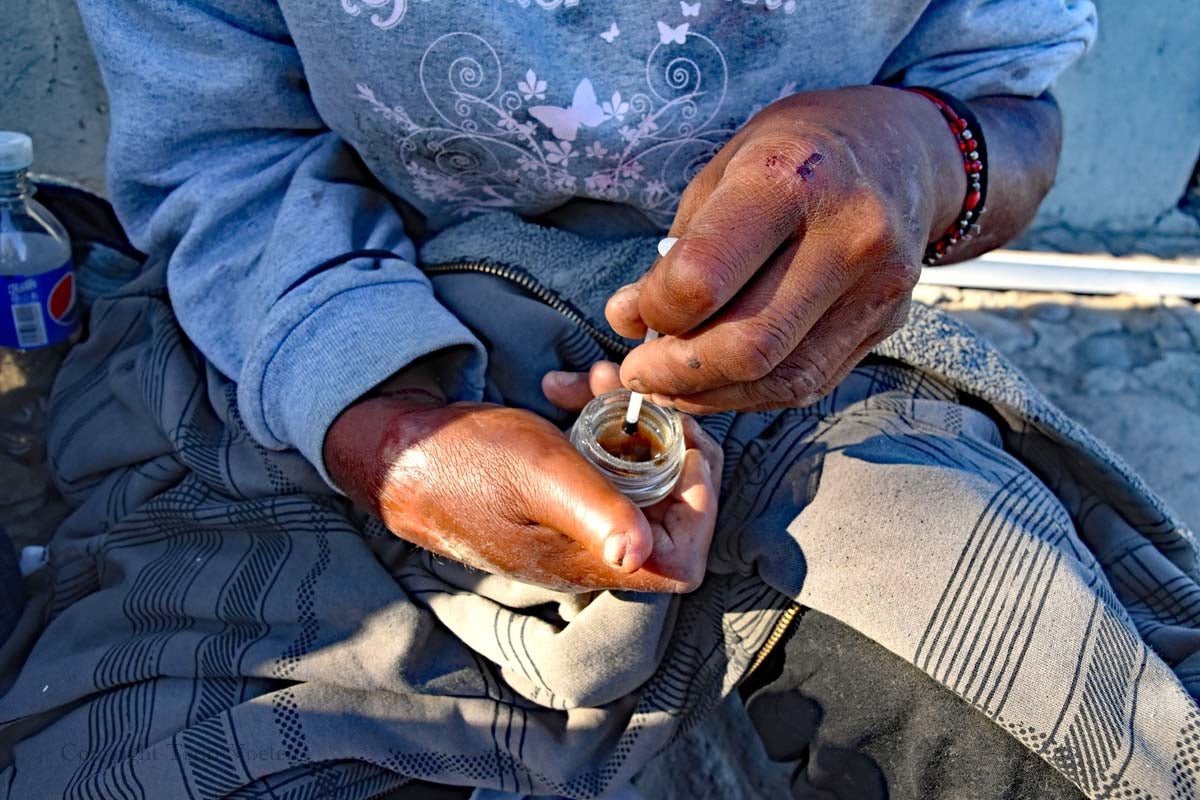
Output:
x,y
16,151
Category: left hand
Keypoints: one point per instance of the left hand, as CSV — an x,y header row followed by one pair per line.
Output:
x,y
799,246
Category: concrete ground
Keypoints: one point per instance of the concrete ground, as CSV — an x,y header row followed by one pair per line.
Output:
x,y
1127,367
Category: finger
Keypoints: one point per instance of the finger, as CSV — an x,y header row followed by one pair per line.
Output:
x,y
695,491
852,324
756,206
622,313
698,441
689,520
569,391
683,525
562,491
695,438
604,376
578,570
896,321
622,308
754,334
701,186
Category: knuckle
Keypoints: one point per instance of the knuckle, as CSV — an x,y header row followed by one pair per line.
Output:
x,y
700,273
814,366
689,578
878,229
786,388
783,150
896,280
896,320
788,162
694,194
776,337
758,347
839,269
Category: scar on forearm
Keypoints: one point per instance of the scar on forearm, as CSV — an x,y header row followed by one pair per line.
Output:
x,y
805,170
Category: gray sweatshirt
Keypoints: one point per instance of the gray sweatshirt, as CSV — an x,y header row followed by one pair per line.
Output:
x,y
270,149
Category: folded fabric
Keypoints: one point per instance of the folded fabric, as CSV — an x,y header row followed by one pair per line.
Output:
x,y
234,628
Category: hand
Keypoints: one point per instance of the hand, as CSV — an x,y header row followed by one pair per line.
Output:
x,y
799,246
502,490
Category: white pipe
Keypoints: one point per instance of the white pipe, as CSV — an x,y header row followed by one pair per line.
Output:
x,y
1056,272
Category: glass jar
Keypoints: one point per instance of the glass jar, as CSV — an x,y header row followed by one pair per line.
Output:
x,y
645,466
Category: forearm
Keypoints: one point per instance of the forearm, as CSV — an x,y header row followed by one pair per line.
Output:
x,y
1024,137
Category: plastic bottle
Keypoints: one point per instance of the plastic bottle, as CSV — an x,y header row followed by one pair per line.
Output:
x,y
39,317
37,307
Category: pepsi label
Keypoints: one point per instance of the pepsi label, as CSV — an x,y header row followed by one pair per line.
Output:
x,y
37,310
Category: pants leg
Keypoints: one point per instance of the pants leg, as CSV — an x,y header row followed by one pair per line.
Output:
x,y
862,724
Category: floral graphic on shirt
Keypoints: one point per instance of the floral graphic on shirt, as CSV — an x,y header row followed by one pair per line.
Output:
x,y
788,6
392,18
565,122
548,5
399,8
497,142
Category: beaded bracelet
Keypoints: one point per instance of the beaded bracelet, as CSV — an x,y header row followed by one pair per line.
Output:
x,y
967,132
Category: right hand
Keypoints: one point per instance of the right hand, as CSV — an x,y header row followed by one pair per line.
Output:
x,y
503,490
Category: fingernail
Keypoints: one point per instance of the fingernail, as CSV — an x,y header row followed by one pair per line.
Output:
x,y
615,549
629,287
559,378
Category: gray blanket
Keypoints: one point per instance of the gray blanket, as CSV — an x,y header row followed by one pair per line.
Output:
x,y
214,621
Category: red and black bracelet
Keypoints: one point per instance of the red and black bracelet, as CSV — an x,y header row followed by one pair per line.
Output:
x,y
969,136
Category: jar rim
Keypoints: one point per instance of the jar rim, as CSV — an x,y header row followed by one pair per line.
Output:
x,y
669,430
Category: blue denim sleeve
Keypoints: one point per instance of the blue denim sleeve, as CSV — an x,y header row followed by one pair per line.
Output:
x,y
972,48
219,162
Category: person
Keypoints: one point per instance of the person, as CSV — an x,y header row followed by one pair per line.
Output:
x,y
380,236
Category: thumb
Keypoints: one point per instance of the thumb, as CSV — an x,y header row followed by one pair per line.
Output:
x,y
571,497
623,314
623,308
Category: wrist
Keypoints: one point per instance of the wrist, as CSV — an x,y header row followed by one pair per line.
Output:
x,y
368,437
945,180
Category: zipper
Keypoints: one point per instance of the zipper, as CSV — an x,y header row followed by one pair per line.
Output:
x,y
785,622
611,344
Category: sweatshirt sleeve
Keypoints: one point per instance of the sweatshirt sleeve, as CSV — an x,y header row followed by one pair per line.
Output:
x,y
972,48
287,265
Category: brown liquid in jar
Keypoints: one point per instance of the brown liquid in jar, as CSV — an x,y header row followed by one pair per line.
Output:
x,y
636,447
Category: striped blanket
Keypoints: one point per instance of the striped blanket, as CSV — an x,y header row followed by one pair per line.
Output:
x,y
214,621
